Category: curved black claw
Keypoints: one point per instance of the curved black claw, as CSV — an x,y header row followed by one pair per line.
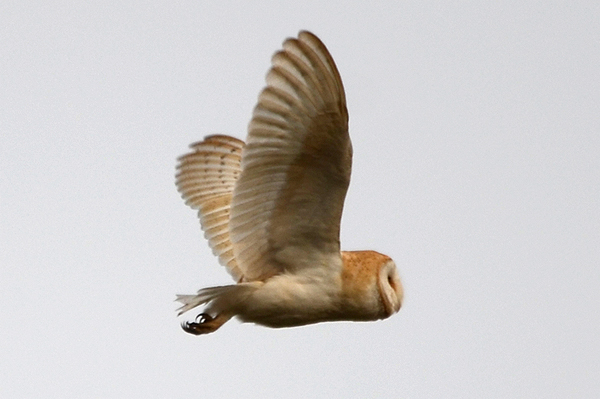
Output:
x,y
203,318
190,328
199,326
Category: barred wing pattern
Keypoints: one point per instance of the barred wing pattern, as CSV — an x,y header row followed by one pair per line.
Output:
x,y
206,178
296,164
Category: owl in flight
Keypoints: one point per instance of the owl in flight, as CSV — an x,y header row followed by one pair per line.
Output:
x,y
270,208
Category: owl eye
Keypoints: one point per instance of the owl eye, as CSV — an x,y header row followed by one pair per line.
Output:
x,y
391,282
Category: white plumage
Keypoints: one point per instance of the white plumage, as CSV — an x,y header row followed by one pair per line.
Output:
x,y
271,208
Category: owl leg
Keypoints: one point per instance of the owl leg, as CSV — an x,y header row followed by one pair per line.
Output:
x,y
204,324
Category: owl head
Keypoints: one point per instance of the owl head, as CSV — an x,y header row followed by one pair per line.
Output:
x,y
371,285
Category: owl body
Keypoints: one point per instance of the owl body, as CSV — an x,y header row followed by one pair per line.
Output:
x,y
289,300
270,208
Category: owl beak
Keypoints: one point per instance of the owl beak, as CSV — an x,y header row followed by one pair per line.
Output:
x,y
399,294
396,300
392,301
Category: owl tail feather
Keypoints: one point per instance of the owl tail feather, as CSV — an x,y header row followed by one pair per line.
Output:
x,y
203,296
225,298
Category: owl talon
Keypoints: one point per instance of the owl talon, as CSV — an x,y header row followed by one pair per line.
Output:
x,y
203,318
193,328
204,324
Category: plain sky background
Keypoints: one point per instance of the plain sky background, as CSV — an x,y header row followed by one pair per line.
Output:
x,y
476,133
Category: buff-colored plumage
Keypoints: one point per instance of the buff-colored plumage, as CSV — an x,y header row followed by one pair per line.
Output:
x,y
271,208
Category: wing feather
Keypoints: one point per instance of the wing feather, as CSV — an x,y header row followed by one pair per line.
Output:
x,y
288,200
206,178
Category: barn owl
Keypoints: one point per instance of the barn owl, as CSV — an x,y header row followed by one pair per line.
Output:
x,y
270,208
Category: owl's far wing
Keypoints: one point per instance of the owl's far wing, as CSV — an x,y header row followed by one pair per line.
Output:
x,y
287,203
206,178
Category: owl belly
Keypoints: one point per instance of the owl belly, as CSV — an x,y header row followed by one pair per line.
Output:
x,y
293,300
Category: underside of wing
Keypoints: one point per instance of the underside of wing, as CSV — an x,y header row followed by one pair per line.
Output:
x,y
206,178
288,201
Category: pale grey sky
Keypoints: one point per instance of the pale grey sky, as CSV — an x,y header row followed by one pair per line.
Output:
x,y
476,131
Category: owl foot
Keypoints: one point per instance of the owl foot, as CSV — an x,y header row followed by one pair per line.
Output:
x,y
204,324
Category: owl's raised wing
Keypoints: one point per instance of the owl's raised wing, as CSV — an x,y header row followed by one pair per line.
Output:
x,y
287,203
